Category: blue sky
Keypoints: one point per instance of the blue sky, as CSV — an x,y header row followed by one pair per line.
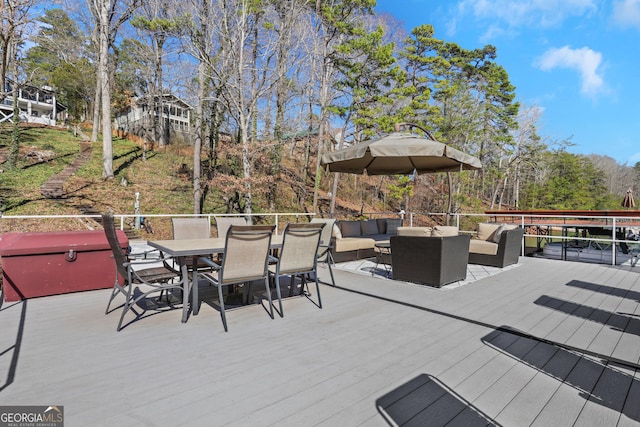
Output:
x,y
576,60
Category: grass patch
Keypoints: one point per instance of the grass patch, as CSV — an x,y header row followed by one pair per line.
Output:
x,y
43,153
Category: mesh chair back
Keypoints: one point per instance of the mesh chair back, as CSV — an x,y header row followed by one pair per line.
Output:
x,y
191,228
224,222
300,247
110,231
325,237
246,253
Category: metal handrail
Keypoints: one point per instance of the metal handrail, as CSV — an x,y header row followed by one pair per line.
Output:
x,y
523,219
122,217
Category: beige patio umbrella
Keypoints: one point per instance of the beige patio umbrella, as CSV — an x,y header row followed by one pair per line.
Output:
x,y
400,153
628,201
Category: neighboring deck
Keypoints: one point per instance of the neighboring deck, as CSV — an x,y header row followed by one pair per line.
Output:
x,y
379,350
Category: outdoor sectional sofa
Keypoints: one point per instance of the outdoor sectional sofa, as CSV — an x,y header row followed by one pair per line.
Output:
x,y
496,245
356,239
433,256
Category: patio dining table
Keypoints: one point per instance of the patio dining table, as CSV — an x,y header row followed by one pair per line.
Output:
x,y
181,249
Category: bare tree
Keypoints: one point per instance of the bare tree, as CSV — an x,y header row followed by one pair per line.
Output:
x,y
243,69
618,178
15,16
109,15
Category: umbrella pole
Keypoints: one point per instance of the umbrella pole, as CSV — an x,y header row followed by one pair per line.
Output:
x,y
450,201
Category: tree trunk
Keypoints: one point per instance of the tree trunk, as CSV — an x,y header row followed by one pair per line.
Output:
x,y
107,140
324,95
162,140
246,167
197,145
14,150
96,108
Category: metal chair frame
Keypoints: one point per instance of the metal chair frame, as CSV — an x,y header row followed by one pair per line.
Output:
x,y
324,250
298,258
246,259
155,279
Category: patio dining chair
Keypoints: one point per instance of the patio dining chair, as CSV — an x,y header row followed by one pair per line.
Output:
x,y
246,258
298,257
134,282
191,228
224,222
324,249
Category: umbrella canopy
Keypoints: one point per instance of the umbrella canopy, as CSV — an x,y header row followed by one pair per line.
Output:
x,y
628,202
399,154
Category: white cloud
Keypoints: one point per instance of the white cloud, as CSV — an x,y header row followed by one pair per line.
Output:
x,y
627,13
584,60
492,32
544,13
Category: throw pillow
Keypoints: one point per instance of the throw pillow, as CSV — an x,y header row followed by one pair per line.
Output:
x,y
369,227
350,228
336,231
486,230
392,226
497,234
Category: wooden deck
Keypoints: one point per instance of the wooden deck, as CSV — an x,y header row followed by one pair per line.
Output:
x,y
379,353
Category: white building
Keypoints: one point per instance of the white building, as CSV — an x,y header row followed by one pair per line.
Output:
x,y
37,105
136,119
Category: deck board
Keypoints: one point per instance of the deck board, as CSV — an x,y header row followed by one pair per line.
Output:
x,y
411,352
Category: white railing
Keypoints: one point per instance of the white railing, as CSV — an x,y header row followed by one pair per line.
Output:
x,y
551,223
617,225
136,218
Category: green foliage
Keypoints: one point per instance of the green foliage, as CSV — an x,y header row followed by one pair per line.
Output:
x,y
59,59
401,190
365,65
22,183
573,183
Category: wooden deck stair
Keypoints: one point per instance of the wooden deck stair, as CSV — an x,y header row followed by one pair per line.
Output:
x,y
53,188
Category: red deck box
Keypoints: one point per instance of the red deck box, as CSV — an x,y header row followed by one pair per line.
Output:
x,y
40,264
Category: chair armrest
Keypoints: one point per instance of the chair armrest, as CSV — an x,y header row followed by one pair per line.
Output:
x,y
210,263
146,261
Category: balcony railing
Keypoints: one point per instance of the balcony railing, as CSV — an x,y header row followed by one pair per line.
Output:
x,y
540,229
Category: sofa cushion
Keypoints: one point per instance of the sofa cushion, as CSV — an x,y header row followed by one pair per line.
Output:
x,y
415,231
366,243
444,231
378,237
350,228
483,247
354,243
496,234
347,244
382,225
369,227
392,226
486,231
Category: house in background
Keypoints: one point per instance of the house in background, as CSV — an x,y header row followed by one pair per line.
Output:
x,y
37,105
136,119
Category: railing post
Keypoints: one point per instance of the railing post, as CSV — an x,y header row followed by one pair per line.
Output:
x,y
523,247
614,245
